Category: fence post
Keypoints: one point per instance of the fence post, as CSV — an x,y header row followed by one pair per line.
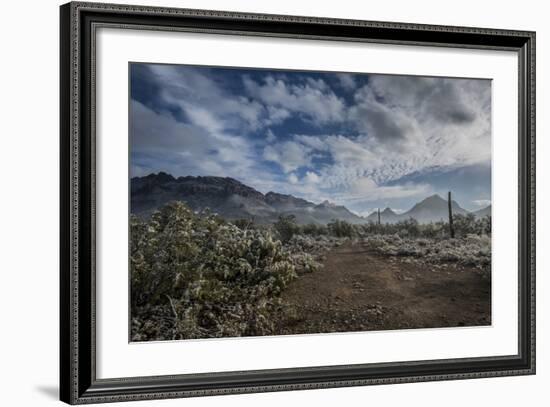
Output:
x,y
451,228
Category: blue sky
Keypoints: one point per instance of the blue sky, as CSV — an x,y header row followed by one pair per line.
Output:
x,y
360,140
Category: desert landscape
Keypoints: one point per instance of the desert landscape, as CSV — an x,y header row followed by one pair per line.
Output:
x,y
212,257
290,202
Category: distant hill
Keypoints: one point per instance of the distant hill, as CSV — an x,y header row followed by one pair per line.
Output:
x,y
483,212
234,200
433,209
386,216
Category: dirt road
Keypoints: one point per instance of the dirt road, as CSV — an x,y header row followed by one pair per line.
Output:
x,y
358,290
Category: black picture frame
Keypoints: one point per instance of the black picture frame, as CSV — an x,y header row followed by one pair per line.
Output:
x,y
78,382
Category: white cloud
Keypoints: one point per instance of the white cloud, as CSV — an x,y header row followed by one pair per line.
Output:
x,y
313,99
347,81
311,177
434,121
153,131
366,189
314,142
387,124
396,126
276,115
289,155
186,149
205,102
292,178
352,152
407,125
204,118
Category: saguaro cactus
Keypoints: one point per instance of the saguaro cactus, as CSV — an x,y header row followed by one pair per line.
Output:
x,y
451,228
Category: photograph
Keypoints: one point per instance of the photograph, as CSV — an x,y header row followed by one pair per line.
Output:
x,y
287,202
256,201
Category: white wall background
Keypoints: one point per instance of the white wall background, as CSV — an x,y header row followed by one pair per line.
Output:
x,y
29,163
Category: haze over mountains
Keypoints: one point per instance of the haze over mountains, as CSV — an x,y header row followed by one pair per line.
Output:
x,y
234,200
431,209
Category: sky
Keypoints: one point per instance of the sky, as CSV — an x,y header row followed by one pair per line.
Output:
x,y
365,141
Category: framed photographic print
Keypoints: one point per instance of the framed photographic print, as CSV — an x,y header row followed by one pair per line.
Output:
x,y
256,203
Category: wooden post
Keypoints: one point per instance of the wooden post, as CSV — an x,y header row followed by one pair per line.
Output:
x,y
451,229
379,216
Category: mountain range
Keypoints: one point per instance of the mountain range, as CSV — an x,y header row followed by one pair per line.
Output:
x,y
432,209
235,200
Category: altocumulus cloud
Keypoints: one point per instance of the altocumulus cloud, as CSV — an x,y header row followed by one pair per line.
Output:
x,y
356,139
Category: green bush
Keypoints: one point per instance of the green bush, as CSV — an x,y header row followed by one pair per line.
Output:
x,y
196,276
408,228
468,224
286,227
311,229
437,230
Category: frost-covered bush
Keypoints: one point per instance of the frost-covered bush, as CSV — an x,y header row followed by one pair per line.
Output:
x,y
313,245
308,251
341,228
305,263
410,228
244,224
312,229
194,275
372,228
286,227
470,250
434,230
468,224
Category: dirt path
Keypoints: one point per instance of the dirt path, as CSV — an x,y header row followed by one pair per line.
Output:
x,y
359,290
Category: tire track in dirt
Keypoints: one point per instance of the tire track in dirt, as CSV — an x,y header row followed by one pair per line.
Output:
x,y
358,290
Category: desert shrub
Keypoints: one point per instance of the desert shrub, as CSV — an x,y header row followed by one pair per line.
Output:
x,y
471,250
464,224
409,249
372,228
434,230
313,245
308,251
305,263
468,224
405,228
485,225
286,227
341,228
194,275
408,228
312,229
244,224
